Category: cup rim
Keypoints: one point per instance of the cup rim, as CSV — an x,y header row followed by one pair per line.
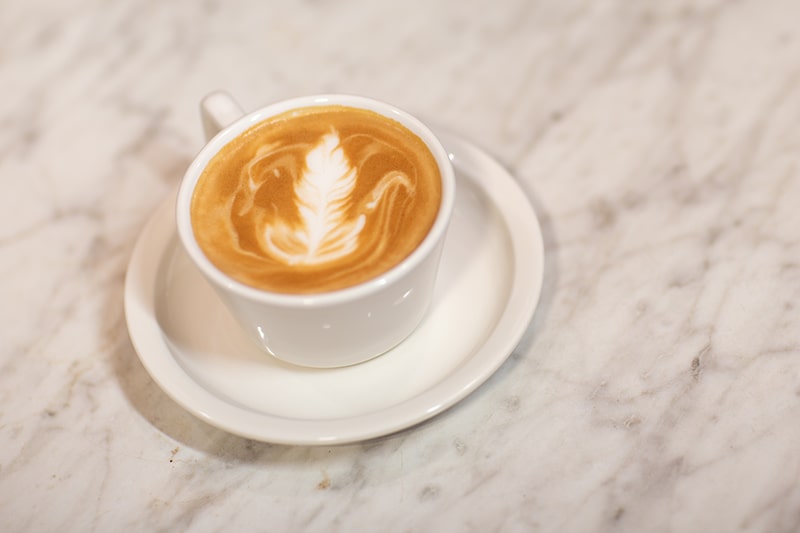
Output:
x,y
339,296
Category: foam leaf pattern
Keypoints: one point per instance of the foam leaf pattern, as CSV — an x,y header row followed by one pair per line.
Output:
x,y
327,230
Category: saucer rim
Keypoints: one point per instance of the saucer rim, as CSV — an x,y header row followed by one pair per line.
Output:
x,y
524,232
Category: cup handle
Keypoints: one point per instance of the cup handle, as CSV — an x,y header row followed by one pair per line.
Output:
x,y
218,110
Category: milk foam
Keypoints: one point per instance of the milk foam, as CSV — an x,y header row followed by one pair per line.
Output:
x,y
322,196
329,226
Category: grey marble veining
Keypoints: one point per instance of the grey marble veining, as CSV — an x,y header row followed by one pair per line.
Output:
x,y
658,386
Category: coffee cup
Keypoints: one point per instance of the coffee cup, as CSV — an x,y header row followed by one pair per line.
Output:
x,y
319,221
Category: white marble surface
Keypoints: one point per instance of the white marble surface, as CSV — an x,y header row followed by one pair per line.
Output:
x,y
658,387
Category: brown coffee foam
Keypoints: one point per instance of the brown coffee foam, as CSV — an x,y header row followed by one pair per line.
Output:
x,y
253,183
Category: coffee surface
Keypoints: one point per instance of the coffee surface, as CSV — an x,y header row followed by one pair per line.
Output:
x,y
316,199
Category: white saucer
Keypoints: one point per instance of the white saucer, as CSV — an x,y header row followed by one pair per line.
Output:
x,y
487,290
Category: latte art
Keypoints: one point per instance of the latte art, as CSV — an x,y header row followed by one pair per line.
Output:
x,y
329,227
316,200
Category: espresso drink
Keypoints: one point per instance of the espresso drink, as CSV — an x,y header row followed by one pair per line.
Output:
x,y
316,199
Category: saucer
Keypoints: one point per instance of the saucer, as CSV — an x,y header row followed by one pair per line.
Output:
x,y
487,290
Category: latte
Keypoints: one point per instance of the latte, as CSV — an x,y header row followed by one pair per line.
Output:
x,y
315,200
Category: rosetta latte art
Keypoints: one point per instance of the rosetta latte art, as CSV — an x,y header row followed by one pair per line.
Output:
x,y
316,200
329,225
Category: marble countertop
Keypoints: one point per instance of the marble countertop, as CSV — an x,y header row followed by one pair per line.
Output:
x,y
658,386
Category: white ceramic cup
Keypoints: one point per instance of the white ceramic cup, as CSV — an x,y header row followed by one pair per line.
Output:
x,y
337,328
